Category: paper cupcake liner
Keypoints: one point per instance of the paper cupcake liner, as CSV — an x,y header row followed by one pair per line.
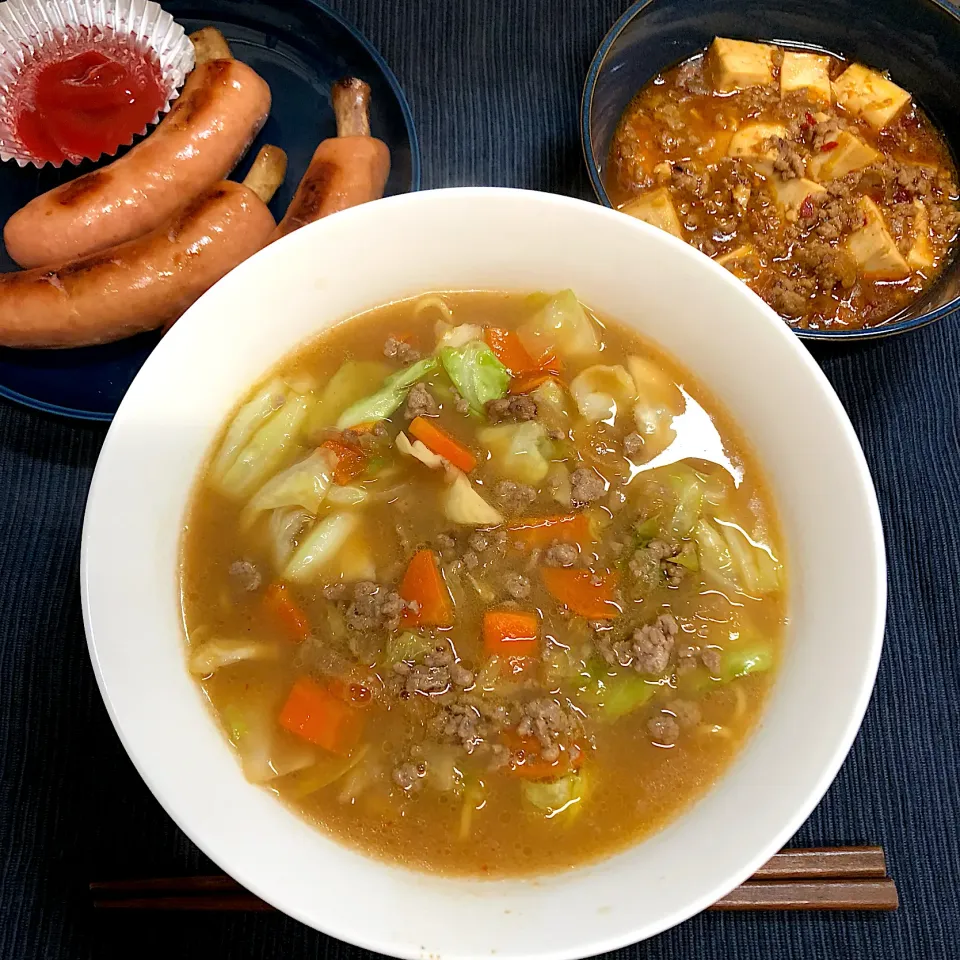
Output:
x,y
29,27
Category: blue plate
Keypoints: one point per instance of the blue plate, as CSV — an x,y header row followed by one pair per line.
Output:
x,y
300,48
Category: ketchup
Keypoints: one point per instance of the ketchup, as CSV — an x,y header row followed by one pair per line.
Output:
x,y
86,96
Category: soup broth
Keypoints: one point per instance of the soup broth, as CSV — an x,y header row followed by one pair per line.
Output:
x,y
483,584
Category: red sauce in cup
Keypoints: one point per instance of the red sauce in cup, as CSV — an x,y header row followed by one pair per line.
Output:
x,y
86,96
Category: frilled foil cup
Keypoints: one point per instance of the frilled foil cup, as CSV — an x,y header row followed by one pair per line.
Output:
x,y
40,30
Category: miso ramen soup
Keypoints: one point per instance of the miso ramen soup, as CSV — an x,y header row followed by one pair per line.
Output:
x,y
483,584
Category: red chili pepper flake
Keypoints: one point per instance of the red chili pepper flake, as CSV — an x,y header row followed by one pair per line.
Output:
x,y
808,120
806,208
827,147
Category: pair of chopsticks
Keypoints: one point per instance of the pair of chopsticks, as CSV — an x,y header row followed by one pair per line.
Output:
x,y
832,878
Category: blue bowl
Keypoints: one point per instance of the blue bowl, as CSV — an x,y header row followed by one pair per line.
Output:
x,y
917,41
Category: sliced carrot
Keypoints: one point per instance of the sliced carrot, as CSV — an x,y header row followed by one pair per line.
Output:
x,y
508,633
526,761
284,609
540,531
551,363
441,443
351,462
317,715
589,594
509,350
422,583
530,382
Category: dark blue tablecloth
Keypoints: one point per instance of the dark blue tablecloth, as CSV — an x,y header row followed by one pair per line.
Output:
x,y
495,88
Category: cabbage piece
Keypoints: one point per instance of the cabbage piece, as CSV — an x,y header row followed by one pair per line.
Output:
x,y
349,495
408,646
759,571
265,752
320,546
474,799
518,450
615,694
305,484
385,401
211,655
553,797
687,489
356,561
561,327
745,657
602,392
266,450
354,380
458,336
250,416
658,402
552,406
715,559
284,529
463,504
476,373
418,450
326,770
558,483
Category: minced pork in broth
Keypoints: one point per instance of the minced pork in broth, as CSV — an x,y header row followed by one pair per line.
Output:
x,y
483,584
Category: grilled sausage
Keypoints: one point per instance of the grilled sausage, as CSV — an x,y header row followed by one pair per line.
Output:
x,y
138,285
223,105
346,170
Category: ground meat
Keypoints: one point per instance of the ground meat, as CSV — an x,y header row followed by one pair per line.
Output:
x,y
831,266
459,404
521,407
790,296
632,444
821,133
653,645
517,585
246,574
586,485
788,163
560,554
686,712
711,660
513,497
654,560
689,181
334,591
374,608
395,349
409,776
482,541
366,440
546,720
663,729
469,721
446,544
420,403
439,672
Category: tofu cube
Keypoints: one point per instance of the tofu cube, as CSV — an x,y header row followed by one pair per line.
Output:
x,y
736,64
790,194
655,208
743,263
749,143
921,255
873,248
806,71
850,153
868,94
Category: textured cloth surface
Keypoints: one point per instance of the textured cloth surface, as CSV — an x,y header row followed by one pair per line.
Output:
x,y
495,88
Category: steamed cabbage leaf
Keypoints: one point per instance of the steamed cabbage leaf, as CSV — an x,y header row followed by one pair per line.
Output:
x,y
353,381
562,327
320,546
305,484
248,419
476,373
386,400
518,450
463,504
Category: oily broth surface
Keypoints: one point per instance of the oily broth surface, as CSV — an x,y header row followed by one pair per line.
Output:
x,y
633,786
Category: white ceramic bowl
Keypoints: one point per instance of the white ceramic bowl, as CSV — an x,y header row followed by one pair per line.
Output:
x,y
501,240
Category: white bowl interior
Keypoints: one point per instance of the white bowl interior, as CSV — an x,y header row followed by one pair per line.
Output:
x,y
503,240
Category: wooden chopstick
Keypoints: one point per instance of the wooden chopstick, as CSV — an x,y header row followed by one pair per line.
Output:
x,y
832,878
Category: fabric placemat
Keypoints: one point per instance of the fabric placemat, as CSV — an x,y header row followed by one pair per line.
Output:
x,y
495,89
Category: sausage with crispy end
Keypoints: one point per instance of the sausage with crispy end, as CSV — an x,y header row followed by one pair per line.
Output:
x,y
346,170
138,285
223,105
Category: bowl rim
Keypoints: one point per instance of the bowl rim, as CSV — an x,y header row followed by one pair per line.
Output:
x,y
590,160
184,817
